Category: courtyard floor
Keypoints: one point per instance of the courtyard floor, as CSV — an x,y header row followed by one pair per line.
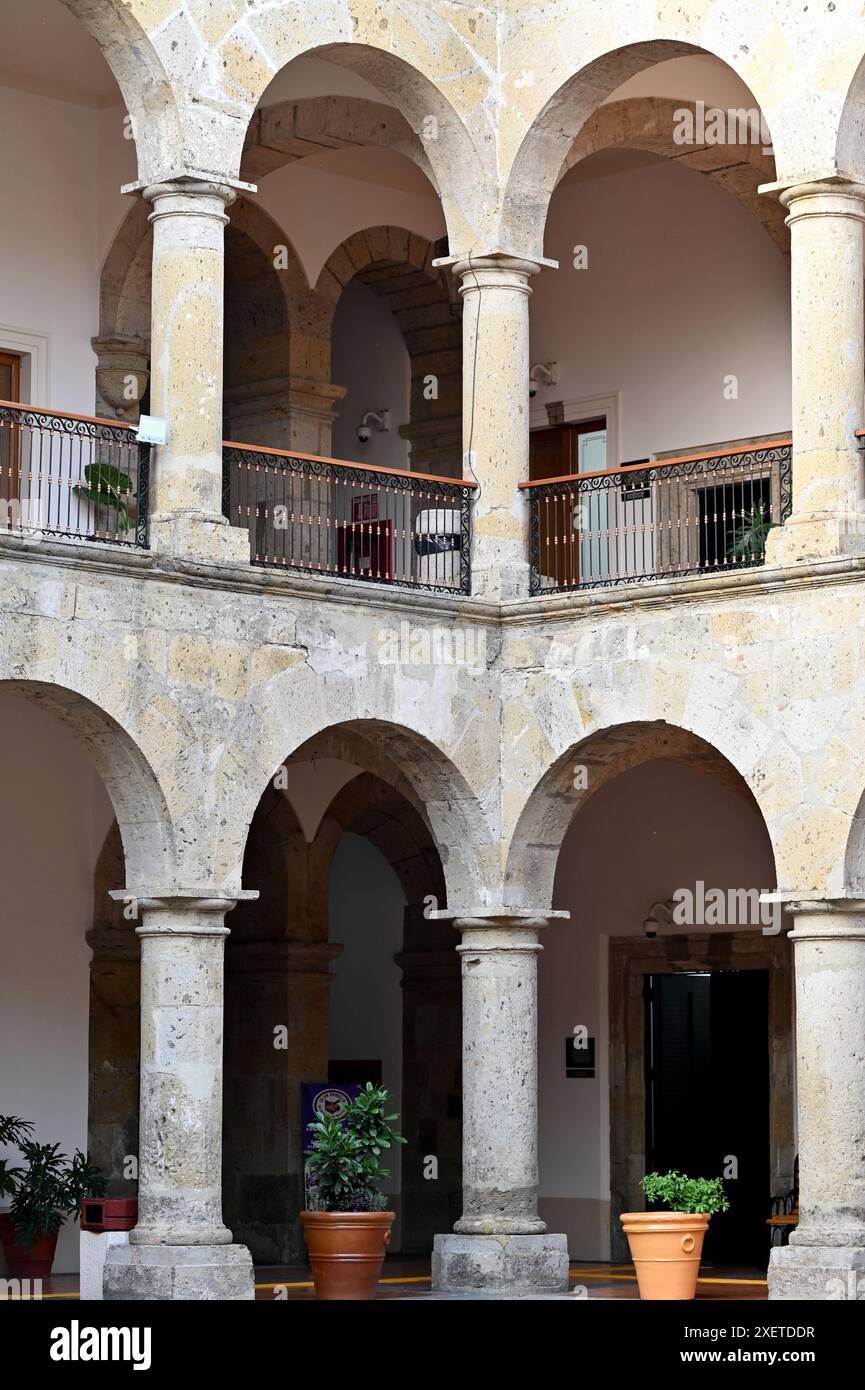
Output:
x,y
409,1277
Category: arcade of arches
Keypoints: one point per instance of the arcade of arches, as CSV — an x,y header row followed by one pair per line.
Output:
x,y
246,846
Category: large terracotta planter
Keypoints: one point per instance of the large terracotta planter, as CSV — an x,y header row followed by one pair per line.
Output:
x,y
666,1247
34,1262
346,1251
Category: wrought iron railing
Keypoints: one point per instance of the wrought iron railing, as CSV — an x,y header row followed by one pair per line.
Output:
x,y
350,520
697,514
72,477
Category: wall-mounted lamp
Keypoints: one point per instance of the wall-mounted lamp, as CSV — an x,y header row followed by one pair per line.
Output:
x,y
379,418
543,374
660,915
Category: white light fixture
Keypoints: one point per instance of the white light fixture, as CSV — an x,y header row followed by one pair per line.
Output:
x,y
543,374
379,418
660,915
152,429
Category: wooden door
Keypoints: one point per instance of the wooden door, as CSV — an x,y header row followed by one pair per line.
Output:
x,y
10,390
554,452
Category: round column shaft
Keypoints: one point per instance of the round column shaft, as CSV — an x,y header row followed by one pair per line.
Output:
x,y
496,366
180,1143
500,1076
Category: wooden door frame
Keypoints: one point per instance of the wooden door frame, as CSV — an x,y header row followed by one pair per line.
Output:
x,y
631,958
12,359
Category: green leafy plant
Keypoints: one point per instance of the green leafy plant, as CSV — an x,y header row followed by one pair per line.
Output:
x,y
48,1187
681,1193
345,1154
749,539
107,487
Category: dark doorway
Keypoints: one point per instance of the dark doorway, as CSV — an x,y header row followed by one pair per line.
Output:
x,y
707,1095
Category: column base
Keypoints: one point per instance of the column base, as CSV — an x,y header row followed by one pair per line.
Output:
x,y
152,1273
512,1263
191,536
831,1272
817,536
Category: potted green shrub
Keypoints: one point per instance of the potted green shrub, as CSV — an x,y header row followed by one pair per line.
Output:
x,y
347,1225
666,1245
107,489
47,1188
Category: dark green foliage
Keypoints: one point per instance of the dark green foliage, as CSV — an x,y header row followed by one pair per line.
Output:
x,y
48,1188
107,487
345,1154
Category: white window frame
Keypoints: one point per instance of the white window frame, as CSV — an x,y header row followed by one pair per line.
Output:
x,y
34,351
588,408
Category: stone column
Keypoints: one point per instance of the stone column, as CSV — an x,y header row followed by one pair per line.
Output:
x,y
825,1258
189,220
496,365
828,369
180,1248
500,1241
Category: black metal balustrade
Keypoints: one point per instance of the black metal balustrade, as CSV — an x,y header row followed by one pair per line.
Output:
x,y
350,520
72,477
698,514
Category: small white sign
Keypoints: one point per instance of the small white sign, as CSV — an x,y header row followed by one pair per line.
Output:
x,y
152,430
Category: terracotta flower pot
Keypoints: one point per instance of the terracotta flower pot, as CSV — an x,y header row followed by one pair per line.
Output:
x,y
346,1251
666,1247
33,1262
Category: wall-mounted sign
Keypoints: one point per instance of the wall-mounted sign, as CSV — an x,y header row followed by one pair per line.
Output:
x,y
580,1061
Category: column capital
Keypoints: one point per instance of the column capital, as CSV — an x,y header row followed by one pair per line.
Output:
x,y
827,919
189,198
833,195
499,918
179,913
496,267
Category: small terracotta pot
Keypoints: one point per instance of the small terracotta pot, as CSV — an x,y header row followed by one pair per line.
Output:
x,y
346,1251
666,1247
26,1262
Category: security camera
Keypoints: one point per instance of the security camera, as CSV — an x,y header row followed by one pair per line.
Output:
x,y
533,389
373,419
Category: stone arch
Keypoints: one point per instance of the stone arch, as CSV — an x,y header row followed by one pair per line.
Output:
x,y
253,50
398,266
263,307
574,778
648,123
405,758
141,75
431,1001
286,131
854,854
143,818
257,358
569,104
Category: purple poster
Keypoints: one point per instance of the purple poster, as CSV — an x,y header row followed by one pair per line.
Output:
x,y
321,1098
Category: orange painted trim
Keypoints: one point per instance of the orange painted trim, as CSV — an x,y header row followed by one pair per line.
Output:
x,y
69,415
345,463
659,463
